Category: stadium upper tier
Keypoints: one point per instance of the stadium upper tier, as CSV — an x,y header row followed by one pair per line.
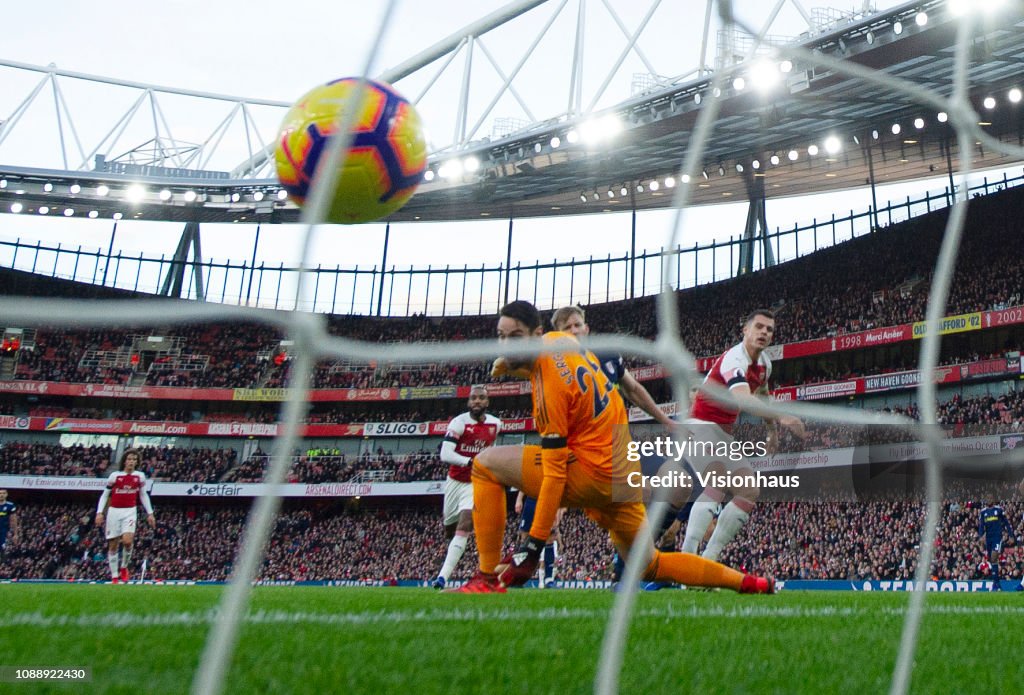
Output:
x,y
875,281
816,129
836,536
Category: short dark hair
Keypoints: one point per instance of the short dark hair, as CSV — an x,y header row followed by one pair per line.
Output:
x,y
521,310
767,313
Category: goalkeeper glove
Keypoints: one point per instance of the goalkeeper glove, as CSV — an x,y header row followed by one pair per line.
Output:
x,y
500,368
517,568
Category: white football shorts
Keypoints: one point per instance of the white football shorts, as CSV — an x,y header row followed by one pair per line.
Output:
x,y
120,520
458,496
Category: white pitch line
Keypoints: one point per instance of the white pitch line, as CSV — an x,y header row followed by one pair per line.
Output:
x,y
465,615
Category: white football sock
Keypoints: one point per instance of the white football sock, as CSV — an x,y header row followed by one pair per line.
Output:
x,y
730,521
112,560
126,555
701,514
455,550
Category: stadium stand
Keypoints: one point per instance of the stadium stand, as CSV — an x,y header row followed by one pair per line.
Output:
x,y
824,294
837,535
832,536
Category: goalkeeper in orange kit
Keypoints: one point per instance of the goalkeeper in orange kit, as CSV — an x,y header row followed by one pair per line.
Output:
x,y
581,462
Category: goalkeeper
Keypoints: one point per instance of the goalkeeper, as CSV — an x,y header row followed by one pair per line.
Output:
x,y
581,462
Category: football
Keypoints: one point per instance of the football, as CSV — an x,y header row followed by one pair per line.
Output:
x,y
386,158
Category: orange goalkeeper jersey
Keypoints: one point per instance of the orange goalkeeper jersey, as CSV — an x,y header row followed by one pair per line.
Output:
x,y
574,400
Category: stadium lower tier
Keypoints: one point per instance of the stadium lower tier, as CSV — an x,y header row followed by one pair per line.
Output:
x,y
839,527
409,459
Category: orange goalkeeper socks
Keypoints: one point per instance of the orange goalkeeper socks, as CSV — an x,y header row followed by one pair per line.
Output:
x,y
691,570
488,517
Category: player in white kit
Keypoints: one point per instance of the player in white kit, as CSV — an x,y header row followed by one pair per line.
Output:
x,y
125,488
744,369
468,434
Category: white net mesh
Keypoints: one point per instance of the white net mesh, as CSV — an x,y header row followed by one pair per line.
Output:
x,y
312,343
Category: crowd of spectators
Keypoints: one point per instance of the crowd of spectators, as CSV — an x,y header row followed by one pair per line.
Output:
x,y
195,465
838,536
829,536
958,417
381,465
834,291
842,366
26,458
164,463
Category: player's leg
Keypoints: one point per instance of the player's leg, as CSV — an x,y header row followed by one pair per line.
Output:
x,y
550,558
450,519
993,555
734,516
493,469
127,544
114,557
625,523
526,518
457,546
113,536
525,522
665,542
703,511
675,496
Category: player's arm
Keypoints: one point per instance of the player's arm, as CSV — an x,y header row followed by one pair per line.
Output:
x,y
101,507
750,403
519,502
146,503
449,455
451,438
981,523
553,426
641,397
500,368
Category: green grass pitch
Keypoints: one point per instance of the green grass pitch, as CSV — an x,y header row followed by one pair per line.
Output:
x,y
148,639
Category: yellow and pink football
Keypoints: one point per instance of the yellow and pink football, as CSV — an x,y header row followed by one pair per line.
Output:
x,y
386,159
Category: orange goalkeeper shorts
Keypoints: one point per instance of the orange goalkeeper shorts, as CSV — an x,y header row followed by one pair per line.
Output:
x,y
615,507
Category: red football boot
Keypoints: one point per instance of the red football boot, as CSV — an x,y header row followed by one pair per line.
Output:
x,y
482,583
757,585
124,574
519,566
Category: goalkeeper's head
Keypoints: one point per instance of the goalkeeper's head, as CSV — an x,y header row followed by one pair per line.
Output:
x,y
519,320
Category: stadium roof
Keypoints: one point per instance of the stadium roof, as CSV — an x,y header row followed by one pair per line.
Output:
x,y
526,176
811,105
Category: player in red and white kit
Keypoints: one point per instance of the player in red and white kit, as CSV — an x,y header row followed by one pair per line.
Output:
x,y
124,490
468,434
744,369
